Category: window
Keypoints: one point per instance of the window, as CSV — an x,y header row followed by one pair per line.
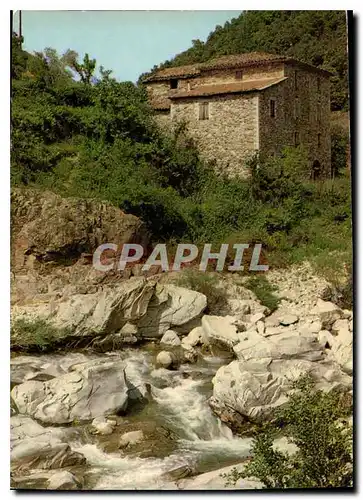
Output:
x,y
239,75
318,112
318,82
272,108
296,109
295,80
204,111
297,139
174,83
188,86
319,140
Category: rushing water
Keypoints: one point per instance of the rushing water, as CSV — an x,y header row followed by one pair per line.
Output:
x,y
180,404
180,399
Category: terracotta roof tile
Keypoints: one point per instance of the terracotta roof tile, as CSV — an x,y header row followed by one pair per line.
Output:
x,y
176,72
238,60
224,62
227,88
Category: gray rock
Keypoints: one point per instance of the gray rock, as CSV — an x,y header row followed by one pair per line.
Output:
x,y
103,426
214,480
327,312
194,337
288,319
166,359
130,438
34,446
220,331
170,338
171,307
63,480
254,388
281,346
91,390
260,325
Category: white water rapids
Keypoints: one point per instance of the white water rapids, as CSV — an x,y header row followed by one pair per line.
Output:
x,y
180,399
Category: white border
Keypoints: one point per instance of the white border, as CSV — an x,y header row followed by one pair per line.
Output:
x,y
4,169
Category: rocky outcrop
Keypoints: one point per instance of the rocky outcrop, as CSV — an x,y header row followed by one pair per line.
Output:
x,y
52,228
137,308
33,446
270,358
63,480
215,480
90,390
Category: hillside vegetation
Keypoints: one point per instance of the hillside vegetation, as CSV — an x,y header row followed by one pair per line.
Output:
x,y
315,37
96,138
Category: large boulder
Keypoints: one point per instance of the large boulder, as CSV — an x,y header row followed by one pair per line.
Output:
x,y
171,307
285,345
129,310
91,390
254,388
220,331
107,310
33,446
327,312
63,480
52,228
339,347
215,480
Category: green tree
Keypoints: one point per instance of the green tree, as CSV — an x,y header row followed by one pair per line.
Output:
x,y
316,422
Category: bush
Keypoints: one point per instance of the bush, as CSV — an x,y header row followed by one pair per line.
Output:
x,y
264,291
36,335
205,283
311,421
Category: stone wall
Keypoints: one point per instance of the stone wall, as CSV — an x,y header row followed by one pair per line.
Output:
x,y
302,115
297,112
229,136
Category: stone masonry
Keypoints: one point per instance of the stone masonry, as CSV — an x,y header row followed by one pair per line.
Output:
x,y
238,105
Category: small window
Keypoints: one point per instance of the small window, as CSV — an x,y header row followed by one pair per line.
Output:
x,y
318,112
239,75
174,83
319,140
188,86
204,111
295,80
272,108
297,109
318,83
297,139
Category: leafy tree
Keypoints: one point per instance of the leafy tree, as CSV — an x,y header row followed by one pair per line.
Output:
x,y
86,69
315,422
315,37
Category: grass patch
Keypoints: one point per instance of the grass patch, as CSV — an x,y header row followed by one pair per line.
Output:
x,y
205,283
36,335
264,291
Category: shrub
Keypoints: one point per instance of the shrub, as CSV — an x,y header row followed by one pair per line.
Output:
x,y
311,421
205,283
36,335
264,291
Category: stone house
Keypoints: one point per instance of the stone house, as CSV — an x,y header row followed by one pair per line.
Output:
x,y
237,105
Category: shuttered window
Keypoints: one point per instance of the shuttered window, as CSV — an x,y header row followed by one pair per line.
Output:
x,y
204,111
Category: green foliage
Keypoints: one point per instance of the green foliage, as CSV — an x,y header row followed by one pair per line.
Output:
x,y
205,283
311,421
339,151
97,138
37,335
315,37
264,291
